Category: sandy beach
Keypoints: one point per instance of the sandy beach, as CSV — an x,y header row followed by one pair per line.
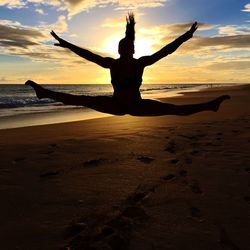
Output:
x,y
150,183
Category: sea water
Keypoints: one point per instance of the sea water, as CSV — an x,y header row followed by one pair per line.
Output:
x,y
19,106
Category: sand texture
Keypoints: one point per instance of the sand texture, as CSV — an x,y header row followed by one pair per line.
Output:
x,y
152,183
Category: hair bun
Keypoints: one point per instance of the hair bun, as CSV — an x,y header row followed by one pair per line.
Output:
x,y
130,27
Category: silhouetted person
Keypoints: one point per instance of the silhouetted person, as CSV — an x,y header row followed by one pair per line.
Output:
x,y
126,78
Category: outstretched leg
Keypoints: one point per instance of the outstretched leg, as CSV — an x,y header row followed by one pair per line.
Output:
x,y
144,107
147,107
103,104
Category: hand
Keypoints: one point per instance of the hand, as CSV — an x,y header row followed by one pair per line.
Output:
x,y
61,42
193,28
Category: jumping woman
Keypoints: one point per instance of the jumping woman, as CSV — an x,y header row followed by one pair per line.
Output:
x,y
126,78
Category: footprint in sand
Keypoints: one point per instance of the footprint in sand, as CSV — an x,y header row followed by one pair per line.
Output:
x,y
171,147
49,174
195,188
97,237
104,232
145,159
194,137
120,223
169,177
141,192
94,162
196,213
136,197
174,161
113,234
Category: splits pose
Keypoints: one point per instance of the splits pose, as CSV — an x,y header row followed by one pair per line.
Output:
x,y
126,78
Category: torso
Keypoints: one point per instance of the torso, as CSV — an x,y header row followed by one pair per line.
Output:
x,y
126,79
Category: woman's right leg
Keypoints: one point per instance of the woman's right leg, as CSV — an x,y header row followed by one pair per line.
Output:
x,y
103,104
147,107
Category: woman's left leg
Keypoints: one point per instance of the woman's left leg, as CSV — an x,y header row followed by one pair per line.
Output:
x,y
103,104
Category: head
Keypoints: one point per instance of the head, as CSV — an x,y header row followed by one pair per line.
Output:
x,y
126,45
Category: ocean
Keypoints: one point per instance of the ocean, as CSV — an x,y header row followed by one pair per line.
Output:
x,y
19,107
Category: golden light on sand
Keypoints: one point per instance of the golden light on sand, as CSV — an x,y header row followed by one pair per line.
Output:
x,y
143,46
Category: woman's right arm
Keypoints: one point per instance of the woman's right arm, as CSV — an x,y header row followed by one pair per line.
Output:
x,y
105,62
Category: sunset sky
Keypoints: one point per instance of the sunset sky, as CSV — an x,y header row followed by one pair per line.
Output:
x,y
219,52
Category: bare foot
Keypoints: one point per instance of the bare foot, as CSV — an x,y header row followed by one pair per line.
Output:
x,y
40,91
215,104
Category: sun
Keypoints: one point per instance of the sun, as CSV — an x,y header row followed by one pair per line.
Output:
x,y
143,46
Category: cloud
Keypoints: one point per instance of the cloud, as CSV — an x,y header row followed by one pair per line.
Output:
x,y
18,36
76,6
10,23
4,79
233,64
25,41
247,8
40,11
232,30
46,2
130,4
114,22
229,37
12,3
221,42
36,43
173,29
60,26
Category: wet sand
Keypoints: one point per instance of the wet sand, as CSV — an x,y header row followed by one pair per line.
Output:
x,y
130,183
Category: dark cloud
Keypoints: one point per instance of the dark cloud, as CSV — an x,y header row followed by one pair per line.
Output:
x,y
182,27
237,41
19,37
218,43
28,42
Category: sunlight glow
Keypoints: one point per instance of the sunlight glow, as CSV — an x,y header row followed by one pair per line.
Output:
x,y
143,47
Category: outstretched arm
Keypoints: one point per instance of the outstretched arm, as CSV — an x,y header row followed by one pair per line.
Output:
x,y
168,49
104,62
